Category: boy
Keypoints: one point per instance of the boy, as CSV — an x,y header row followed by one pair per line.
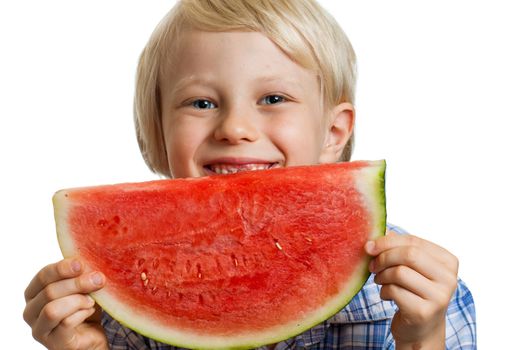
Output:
x,y
231,85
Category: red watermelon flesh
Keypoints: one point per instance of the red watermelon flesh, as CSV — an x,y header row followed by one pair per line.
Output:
x,y
228,261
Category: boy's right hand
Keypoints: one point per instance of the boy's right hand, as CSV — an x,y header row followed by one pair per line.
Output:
x,y
59,311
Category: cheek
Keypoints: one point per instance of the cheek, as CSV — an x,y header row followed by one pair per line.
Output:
x,y
301,140
182,141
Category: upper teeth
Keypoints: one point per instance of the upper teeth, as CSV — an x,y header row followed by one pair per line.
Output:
x,y
232,169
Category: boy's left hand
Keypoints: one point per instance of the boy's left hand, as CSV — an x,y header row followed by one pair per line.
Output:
x,y
420,277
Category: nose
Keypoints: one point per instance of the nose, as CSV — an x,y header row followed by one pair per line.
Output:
x,y
236,126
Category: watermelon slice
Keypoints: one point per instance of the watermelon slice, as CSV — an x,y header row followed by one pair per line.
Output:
x,y
228,261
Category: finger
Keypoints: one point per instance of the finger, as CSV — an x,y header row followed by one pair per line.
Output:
x,y
404,299
414,258
63,269
78,333
82,284
66,332
56,311
412,308
408,279
393,240
74,320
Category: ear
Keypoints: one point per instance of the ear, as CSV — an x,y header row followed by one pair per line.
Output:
x,y
340,126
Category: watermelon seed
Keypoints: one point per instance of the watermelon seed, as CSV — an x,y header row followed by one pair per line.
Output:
x,y
235,260
143,276
102,223
154,290
308,239
278,245
146,281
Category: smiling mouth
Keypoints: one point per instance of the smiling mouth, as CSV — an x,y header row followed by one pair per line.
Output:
x,y
236,168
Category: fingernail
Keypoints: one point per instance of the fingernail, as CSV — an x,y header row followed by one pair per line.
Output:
x,y
75,265
96,278
369,246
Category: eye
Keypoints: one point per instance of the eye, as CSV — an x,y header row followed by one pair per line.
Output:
x,y
203,104
272,99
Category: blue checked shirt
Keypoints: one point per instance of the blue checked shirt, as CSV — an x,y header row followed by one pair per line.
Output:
x,y
362,324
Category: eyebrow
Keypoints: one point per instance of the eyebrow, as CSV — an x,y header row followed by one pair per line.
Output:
x,y
189,80
197,80
279,80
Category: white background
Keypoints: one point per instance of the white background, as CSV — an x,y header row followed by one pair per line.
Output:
x,y
440,96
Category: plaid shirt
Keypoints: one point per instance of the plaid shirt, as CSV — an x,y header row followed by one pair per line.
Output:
x,y
363,324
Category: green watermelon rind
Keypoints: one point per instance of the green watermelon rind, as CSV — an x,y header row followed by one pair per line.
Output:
x,y
371,182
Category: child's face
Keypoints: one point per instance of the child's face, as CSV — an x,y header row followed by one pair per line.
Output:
x,y
233,101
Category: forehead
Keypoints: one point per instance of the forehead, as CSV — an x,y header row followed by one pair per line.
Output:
x,y
201,56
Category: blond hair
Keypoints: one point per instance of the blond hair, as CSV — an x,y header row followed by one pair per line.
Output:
x,y
301,28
